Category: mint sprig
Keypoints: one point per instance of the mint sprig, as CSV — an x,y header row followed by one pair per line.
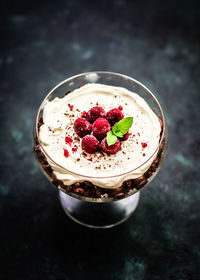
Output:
x,y
118,130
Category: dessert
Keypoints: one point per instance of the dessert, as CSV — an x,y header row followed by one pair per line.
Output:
x,y
74,131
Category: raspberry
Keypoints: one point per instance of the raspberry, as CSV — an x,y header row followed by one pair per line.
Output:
x,y
114,116
100,128
113,149
95,113
89,144
82,127
125,137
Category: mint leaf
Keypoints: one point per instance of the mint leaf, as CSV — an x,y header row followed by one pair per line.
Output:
x,y
111,138
117,132
121,127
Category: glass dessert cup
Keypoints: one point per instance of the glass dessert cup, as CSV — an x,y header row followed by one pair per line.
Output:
x,y
112,207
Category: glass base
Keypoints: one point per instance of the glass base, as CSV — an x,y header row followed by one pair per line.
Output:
x,y
97,214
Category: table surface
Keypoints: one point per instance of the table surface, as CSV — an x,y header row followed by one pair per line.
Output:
x,y
42,44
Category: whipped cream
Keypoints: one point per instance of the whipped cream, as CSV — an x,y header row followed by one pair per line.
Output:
x,y
106,171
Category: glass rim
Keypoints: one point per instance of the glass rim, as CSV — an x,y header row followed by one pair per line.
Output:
x,y
100,72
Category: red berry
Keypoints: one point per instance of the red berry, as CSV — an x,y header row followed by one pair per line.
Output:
x,y
144,145
66,153
95,113
100,128
113,149
114,115
120,108
89,144
68,140
82,127
125,137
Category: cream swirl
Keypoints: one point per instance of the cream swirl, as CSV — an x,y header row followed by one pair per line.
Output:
x,y
106,171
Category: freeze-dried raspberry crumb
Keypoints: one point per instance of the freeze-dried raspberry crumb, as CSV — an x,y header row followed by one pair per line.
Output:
x,y
100,128
95,113
113,149
71,107
89,144
82,127
114,115
120,108
89,159
83,114
74,149
144,145
66,153
68,140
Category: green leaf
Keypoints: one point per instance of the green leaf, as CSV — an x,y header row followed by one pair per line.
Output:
x,y
122,127
117,133
111,138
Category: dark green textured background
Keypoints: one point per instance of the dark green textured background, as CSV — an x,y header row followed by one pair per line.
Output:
x,y
43,43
